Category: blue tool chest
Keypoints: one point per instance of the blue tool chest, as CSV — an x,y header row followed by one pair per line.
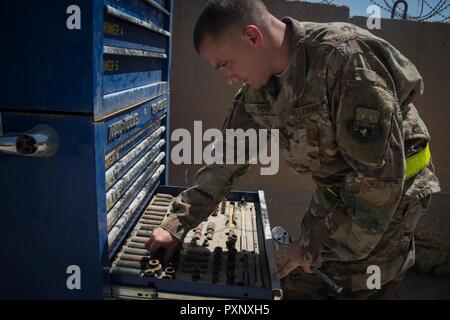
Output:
x,y
97,74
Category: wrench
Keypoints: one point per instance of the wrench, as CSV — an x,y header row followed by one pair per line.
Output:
x,y
283,239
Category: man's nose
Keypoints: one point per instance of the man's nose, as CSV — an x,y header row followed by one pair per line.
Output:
x,y
231,77
232,80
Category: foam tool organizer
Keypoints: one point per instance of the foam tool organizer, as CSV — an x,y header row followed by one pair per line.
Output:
x,y
229,255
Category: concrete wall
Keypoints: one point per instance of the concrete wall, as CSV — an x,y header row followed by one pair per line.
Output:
x,y
200,93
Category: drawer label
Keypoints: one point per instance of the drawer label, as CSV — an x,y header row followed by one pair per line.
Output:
x,y
116,129
112,29
111,65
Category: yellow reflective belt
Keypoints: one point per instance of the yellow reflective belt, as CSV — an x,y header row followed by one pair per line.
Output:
x,y
332,192
417,162
414,165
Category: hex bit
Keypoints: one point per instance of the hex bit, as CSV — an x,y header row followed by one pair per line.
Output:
x,y
129,264
136,245
160,203
161,199
151,219
164,195
144,233
140,239
124,270
153,213
150,222
170,271
130,250
156,208
130,257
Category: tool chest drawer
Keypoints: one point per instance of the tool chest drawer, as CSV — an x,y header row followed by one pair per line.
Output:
x,y
94,57
229,255
70,209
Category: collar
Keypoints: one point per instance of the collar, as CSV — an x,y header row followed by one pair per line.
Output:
x,y
292,79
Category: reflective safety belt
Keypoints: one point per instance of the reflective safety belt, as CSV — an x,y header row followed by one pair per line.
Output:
x,y
417,162
414,165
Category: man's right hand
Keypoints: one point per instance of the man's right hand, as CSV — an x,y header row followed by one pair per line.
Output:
x,y
162,238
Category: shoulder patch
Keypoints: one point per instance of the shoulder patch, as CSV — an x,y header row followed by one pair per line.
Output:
x,y
365,126
364,121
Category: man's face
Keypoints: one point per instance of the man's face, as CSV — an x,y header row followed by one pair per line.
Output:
x,y
239,56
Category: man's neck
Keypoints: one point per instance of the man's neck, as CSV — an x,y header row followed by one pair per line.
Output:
x,y
279,46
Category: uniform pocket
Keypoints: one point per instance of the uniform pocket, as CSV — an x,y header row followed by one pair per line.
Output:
x,y
303,138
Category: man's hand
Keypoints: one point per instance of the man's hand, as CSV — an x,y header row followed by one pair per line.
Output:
x,y
162,238
293,258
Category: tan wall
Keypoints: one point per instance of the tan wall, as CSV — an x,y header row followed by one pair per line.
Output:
x,y
200,93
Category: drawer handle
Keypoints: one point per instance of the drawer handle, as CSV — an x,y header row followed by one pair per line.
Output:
x,y
40,141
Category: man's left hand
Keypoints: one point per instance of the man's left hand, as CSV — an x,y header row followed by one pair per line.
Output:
x,y
293,260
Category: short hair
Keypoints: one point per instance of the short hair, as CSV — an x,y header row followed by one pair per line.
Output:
x,y
218,16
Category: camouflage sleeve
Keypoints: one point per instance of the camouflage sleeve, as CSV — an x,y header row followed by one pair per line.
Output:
x,y
365,109
212,182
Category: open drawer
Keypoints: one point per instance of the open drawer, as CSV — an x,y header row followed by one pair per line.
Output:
x,y
228,256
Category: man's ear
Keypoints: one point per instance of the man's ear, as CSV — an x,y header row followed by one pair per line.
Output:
x,y
254,35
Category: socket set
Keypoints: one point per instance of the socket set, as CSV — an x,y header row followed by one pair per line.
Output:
x,y
134,258
225,256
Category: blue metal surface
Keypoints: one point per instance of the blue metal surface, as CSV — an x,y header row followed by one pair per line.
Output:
x,y
130,97
54,212
167,69
151,143
49,212
103,101
139,9
46,65
119,33
144,118
117,191
121,150
158,5
54,68
131,72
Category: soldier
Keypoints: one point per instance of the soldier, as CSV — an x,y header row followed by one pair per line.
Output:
x,y
342,101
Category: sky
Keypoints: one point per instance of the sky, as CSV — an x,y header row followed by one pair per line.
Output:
x,y
359,7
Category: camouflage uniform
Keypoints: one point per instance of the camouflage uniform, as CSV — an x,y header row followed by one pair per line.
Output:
x,y
344,111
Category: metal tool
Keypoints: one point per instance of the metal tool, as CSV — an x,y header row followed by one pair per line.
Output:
x,y
282,238
231,222
210,228
259,279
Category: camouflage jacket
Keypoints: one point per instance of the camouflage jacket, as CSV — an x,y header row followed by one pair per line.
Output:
x,y
344,112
